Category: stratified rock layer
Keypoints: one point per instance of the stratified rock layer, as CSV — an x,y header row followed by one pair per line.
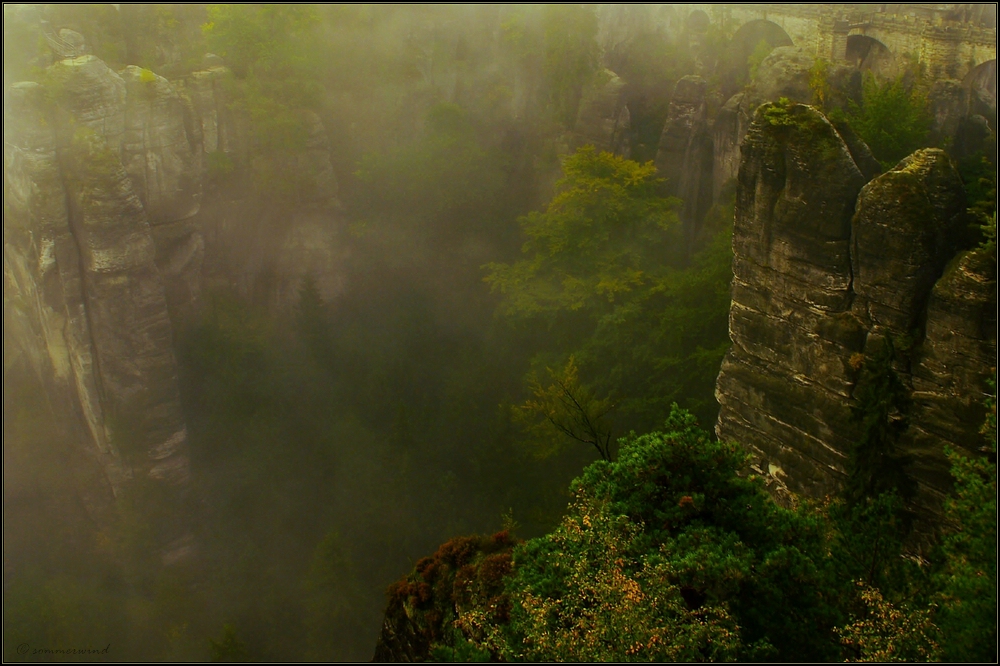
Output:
x,y
824,265
949,369
909,223
785,384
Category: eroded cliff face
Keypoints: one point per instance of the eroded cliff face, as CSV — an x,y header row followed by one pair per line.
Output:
x,y
105,180
684,156
785,72
824,266
603,119
87,169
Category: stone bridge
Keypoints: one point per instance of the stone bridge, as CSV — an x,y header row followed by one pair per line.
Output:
x,y
949,40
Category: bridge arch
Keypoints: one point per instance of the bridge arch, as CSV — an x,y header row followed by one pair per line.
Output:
x,y
697,21
756,37
870,55
981,84
977,58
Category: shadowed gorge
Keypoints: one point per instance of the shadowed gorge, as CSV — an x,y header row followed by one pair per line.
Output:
x,y
510,333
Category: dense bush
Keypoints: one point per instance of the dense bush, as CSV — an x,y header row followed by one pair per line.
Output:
x,y
668,554
892,119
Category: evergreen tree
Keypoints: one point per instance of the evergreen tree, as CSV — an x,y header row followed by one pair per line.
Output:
x,y
881,400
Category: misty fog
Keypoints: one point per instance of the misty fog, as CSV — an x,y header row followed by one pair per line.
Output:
x,y
293,295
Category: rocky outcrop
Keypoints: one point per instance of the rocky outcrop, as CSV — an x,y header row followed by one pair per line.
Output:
x,y
603,119
909,223
45,318
104,229
785,73
981,84
65,43
163,155
948,368
948,102
824,266
726,137
964,112
207,94
162,147
91,159
684,157
784,386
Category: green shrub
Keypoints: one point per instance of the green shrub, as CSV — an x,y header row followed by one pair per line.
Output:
x,y
892,119
668,554
968,581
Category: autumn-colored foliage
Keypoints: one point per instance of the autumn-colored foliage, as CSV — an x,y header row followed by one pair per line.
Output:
x,y
465,572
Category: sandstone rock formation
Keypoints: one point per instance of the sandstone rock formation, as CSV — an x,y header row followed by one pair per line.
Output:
x,y
45,319
88,166
948,368
948,102
726,136
603,119
785,72
824,265
909,222
684,157
784,386
104,229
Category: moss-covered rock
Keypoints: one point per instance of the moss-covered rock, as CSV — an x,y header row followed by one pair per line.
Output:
x,y
818,279
909,223
162,147
785,384
86,245
950,369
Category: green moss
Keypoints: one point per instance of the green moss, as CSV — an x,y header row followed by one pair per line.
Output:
x,y
802,126
777,114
